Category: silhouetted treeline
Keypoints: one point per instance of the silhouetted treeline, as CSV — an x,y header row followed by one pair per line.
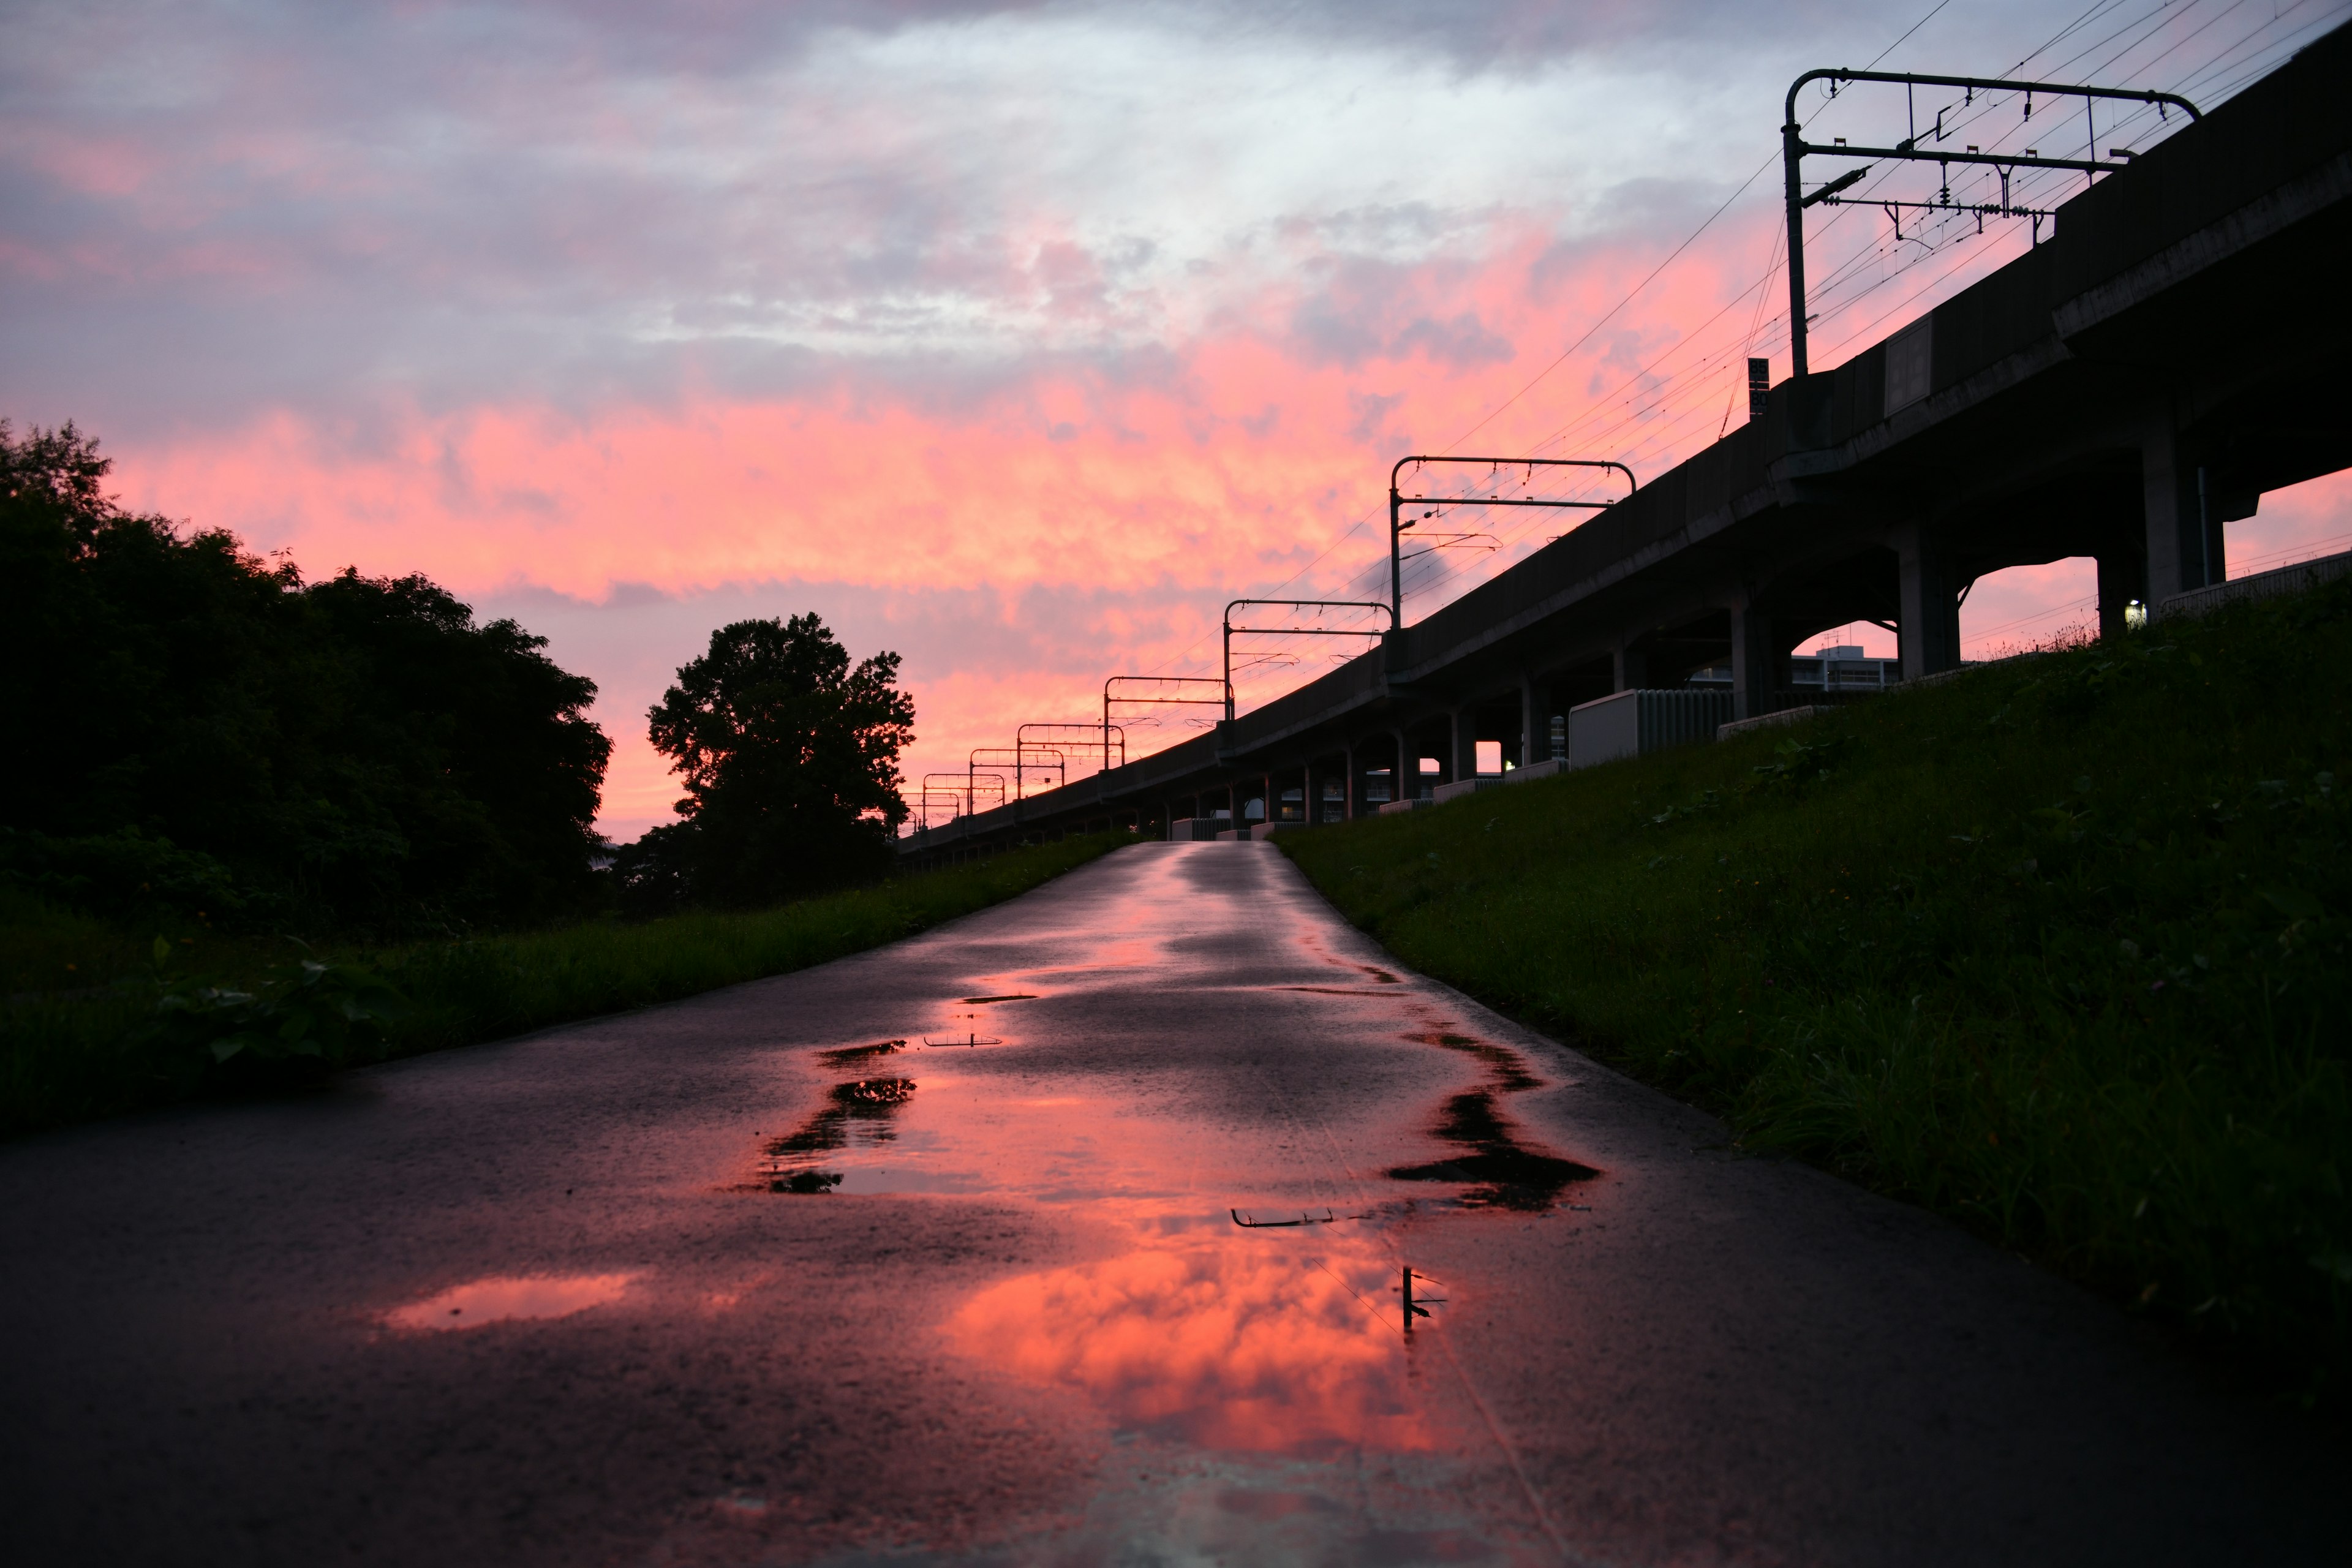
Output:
x,y
195,729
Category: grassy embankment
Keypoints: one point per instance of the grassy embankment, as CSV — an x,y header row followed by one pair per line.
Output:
x,y
2056,948
79,1037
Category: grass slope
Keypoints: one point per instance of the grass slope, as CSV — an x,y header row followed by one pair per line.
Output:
x,y
2056,948
78,1038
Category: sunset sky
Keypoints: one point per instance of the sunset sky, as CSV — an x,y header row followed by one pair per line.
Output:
x,y
1015,338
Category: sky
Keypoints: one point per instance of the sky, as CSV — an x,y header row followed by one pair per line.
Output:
x,y
1016,339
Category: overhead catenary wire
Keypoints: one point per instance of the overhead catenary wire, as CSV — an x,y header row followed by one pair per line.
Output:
x,y
1562,358
1644,413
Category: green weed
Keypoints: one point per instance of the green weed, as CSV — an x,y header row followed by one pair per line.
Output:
x,y
96,1023
2058,949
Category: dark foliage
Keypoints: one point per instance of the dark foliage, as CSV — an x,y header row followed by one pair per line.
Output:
x,y
298,1024
204,733
655,874
790,761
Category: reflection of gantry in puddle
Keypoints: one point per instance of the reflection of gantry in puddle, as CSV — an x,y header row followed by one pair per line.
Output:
x,y
1412,1303
1417,1307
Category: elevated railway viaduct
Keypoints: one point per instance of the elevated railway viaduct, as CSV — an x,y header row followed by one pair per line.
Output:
x,y
2125,391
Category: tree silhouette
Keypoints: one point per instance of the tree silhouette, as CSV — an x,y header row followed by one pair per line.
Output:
x,y
790,756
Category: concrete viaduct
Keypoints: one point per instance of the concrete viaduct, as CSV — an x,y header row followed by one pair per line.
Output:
x,y
2125,391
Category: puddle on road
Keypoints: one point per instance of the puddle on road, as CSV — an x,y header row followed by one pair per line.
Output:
x,y
505,1298
1209,1337
1243,1335
1218,1323
857,1114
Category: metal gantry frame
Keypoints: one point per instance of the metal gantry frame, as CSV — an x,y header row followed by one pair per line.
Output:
x,y
1076,735
1224,698
1291,631
1794,149
1399,501
927,798
971,781
1013,756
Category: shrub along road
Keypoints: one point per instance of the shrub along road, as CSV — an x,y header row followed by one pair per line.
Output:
x,y
1071,1231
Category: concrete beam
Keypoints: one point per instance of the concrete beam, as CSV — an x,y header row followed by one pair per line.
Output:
x,y
1628,668
1756,660
1535,726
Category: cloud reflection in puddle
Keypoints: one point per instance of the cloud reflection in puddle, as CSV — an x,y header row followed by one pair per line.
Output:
x,y
1244,1346
505,1298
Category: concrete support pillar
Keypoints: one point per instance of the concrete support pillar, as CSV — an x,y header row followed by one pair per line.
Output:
x,y
2123,579
1628,668
1408,767
1465,744
1757,676
2184,522
1928,617
1535,726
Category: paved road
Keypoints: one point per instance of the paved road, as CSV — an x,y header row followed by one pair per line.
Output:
x,y
740,1280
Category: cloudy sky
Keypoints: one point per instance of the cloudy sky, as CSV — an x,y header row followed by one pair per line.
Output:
x,y
1016,338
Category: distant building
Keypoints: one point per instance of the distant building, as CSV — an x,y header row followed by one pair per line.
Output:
x,y
1826,670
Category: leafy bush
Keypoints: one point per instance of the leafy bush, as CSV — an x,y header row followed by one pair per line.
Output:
x,y
298,1023
655,874
124,874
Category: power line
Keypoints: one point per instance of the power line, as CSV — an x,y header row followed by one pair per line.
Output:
x,y
1352,528
1661,406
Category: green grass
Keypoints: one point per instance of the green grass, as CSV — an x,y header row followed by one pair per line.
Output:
x,y
78,1040
2056,948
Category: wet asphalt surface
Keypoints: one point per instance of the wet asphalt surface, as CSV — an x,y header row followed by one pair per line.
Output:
x,y
842,1267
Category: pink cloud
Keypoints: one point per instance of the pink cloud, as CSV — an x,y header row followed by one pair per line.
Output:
x,y
1135,492
1153,489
